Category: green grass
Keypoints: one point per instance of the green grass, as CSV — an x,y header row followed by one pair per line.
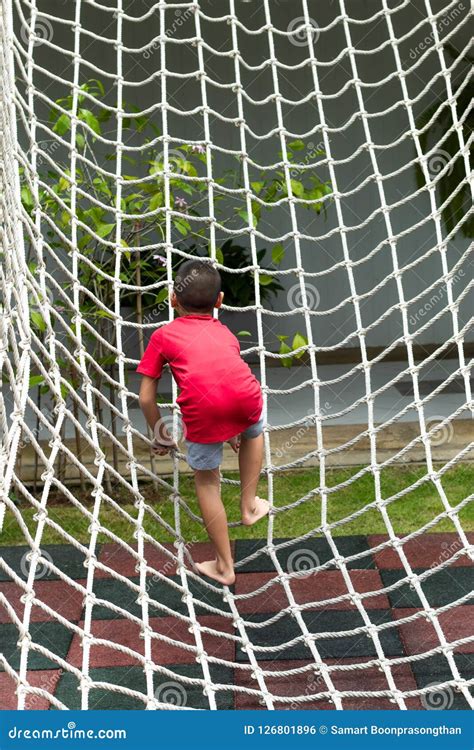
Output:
x,y
408,513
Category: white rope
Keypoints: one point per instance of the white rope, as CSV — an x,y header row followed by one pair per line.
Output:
x,y
23,155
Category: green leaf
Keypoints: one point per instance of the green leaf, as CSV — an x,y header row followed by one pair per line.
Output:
x,y
183,165
38,321
182,226
127,254
297,188
278,253
87,116
219,256
27,197
102,186
255,216
35,380
162,295
244,333
103,230
65,218
64,183
99,84
256,211
156,201
298,341
297,145
264,279
62,124
257,186
285,349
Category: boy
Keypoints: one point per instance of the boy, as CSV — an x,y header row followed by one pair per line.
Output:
x,y
220,401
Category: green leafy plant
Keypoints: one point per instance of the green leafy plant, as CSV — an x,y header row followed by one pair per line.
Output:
x,y
144,200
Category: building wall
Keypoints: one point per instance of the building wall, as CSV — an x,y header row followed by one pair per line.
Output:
x,y
318,255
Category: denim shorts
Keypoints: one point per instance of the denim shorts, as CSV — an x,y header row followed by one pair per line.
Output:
x,y
209,455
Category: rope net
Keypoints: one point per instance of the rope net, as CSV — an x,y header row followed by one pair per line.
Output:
x,y
135,135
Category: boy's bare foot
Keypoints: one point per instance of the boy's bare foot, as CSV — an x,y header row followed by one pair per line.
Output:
x,y
253,514
213,569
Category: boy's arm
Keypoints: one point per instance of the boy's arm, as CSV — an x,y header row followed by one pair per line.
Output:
x,y
163,441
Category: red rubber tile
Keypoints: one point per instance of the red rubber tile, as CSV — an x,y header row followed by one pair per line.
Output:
x,y
127,633
122,562
420,636
313,588
307,683
45,679
64,599
422,552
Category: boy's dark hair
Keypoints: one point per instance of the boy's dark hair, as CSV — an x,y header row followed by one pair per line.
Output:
x,y
197,285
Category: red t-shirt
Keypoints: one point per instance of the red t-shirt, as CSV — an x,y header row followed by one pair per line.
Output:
x,y
220,397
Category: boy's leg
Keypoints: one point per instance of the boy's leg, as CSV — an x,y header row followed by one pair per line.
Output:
x,y
207,483
250,463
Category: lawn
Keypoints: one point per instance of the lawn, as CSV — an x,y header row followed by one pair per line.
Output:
x,y
410,512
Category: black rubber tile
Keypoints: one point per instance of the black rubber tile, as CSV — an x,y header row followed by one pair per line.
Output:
x,y
123,596
441,588
167,690
316,550
67,558
286,628
50,635
436,670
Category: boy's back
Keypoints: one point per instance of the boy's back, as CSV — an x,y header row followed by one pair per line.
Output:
x,y
219,395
